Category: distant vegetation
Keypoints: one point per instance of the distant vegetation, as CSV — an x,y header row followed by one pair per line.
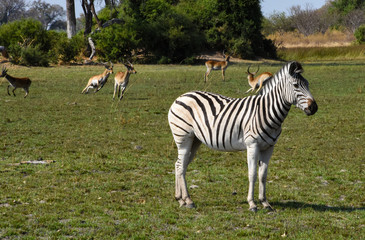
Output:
x,y
174,31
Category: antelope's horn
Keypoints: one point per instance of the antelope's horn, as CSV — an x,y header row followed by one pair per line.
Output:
x,y
248,70
257,70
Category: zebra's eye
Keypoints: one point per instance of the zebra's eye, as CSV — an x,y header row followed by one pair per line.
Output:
x,y
296,85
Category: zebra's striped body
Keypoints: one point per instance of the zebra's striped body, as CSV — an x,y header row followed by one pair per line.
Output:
x,y
229,124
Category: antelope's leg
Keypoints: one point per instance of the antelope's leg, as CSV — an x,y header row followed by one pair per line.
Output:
x,y
121,94
249,90
86,89
207,74
263,167
8,89
252,159
14,91
26,92
223,71
261,82
115,89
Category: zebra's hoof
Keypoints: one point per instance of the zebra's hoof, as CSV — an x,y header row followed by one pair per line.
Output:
x,y
253,209
181,203
191,205
269,209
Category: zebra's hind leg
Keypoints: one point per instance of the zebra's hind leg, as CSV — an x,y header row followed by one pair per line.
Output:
x,y
263,166
186,153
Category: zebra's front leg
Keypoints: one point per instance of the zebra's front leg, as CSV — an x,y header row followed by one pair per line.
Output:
x,y
252,158
263,167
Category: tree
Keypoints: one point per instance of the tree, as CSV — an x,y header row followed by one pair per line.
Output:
x,y
46,13
307,21
354,19
277,22
11,10
71,18
344,7
86,7
89,12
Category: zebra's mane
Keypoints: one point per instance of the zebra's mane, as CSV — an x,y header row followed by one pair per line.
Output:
x,y
289,69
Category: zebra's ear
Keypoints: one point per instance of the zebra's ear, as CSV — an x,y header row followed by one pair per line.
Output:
x,y
295,68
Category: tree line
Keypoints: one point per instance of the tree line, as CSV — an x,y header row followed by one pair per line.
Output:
x,y
158,31
344,15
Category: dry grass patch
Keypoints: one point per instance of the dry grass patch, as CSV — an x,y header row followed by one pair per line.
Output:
x,y
331,38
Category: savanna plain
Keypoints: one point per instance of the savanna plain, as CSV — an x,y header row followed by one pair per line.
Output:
x,y
109,171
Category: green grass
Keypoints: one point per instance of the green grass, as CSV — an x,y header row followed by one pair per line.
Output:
x,y
112,175
354,52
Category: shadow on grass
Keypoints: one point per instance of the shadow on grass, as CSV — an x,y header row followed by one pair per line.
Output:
x,y
316,207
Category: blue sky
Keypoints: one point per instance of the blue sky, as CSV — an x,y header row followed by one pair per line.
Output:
x,y
268,6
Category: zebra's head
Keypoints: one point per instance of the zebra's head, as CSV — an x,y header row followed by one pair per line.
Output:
x,y
298,86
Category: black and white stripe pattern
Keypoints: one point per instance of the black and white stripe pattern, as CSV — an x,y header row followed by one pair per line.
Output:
x,y
236,124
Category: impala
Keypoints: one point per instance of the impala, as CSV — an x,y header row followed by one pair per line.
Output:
x,y
16,82
256,82
121,80
216,65
99,81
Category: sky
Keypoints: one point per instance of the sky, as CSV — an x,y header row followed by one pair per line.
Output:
x,y
268,6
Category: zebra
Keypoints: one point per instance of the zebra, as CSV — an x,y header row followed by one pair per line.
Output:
x,y
252,123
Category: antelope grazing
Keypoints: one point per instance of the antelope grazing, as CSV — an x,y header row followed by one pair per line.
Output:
x,y
99,81
256,82
16,82
216,65
121,80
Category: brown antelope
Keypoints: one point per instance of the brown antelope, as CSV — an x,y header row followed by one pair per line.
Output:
x,y
121,80
256,82
98,81
16,82
216,65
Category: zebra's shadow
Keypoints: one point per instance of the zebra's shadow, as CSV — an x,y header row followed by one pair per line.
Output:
x,y
316,207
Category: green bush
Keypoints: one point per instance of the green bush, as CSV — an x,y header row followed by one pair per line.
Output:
x,y
33,56
30,44
360,34
65,49
116,42
27,41
25,32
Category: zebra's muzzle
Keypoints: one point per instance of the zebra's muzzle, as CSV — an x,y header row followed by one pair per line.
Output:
x,y
312,107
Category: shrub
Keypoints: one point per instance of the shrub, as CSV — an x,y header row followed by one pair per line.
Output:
x,y
65,49
33,56
30,44
27,41
360,34
116,42
25,32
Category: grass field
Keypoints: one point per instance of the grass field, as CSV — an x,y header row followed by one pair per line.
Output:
x,y
349,53
111,174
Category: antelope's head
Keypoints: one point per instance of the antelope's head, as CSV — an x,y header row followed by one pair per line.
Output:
x,y
130,68
251,76
226,57
4,72
299,92
109,68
